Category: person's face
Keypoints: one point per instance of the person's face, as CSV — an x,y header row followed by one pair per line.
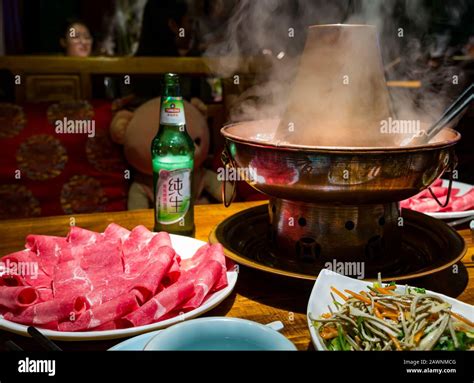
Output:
x,y
78,41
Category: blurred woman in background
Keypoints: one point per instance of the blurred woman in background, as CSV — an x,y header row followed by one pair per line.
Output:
x,y
77,40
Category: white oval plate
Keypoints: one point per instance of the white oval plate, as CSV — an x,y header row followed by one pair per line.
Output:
x,y
320,299
185,247
463,189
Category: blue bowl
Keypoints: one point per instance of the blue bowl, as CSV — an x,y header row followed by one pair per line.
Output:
x,y
219,333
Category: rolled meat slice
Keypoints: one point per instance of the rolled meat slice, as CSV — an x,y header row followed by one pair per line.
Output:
x,y
45,294
70,280
136,261
80,236
116,232
111,325
424,202
105,254
26,264
216,253
162,238
173,273
204,279
196,259
18,297
148,282
438,191
98,315
167,300
438,182
406,204
427,205
102,294
51,250
464,202
137,240
203,254
50,312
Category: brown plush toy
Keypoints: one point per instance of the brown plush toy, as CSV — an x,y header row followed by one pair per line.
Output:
x,y
136,130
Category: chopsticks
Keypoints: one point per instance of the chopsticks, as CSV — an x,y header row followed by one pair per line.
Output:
x,y
12,346
43,341
456,108
37,336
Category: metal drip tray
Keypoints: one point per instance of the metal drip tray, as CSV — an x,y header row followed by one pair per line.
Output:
x,y
427,246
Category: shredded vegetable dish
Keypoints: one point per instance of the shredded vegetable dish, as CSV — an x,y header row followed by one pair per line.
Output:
x,y
383,318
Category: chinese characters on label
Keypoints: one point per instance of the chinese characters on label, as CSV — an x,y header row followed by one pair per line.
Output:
x,y
174,195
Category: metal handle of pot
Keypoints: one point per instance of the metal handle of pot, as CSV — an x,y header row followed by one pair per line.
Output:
x,y
228,162
452,167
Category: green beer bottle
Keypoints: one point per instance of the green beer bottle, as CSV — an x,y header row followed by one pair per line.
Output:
x,y
172,153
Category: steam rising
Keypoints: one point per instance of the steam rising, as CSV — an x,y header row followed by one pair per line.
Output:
x,y
278,29
339,95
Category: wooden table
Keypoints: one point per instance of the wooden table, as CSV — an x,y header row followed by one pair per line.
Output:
x,y
257,296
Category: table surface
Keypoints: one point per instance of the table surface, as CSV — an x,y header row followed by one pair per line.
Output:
x,y
257,296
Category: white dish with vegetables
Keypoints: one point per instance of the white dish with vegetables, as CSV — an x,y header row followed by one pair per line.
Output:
x,y
346,314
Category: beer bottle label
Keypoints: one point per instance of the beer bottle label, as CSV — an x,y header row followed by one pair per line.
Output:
x,y
172,111
173,195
